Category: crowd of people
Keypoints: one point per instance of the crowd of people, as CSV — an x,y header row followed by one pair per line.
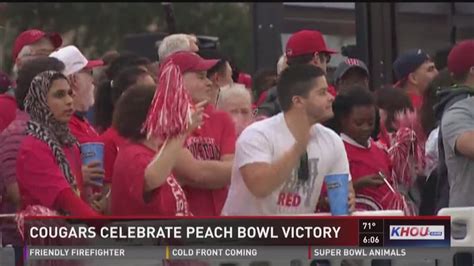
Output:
x,y
251,148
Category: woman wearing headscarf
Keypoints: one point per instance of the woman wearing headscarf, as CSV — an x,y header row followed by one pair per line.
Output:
x,y
48,163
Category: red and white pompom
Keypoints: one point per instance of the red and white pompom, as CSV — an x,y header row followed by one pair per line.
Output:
x,y
170,112
31,211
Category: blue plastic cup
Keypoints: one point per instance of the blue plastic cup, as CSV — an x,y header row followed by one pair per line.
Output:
x,y
338,193
93,151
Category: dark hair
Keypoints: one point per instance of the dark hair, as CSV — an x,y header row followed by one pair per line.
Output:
x,y
103,99
392,100
430,98
132,109
109,56
304,59
220,67
235,71
124,80
299,60
260,81
123,61
296,81
441,57
28,72
344,103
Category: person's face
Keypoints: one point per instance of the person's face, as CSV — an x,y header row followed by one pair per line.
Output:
x,y
360,123
42,48
423,76
321,60
353,77
60,100
318,103
225,78
145,80
220,80
240,109
84,90
198,86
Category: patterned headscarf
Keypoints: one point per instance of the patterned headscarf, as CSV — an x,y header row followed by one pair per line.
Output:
x,y
44,126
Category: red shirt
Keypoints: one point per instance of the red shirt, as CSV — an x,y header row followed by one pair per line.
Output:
x,y
215,139
416,100
39,177
384,136
127,186
7,110
112,141
332,90
370,161
82,130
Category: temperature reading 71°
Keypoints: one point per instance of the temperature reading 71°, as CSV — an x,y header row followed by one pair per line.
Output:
x,y
368,225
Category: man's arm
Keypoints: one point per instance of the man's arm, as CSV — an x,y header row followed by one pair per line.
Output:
x,y
465,144
227,158
162,164
208,174
458,129
263,178
254,159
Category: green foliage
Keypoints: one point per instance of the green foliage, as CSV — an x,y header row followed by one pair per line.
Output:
x,y
99,27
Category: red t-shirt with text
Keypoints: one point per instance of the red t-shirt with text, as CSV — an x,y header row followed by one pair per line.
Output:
x,y
40,179
128,181
112,143
370,161
215,138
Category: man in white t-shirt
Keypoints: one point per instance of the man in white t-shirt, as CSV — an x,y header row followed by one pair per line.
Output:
x,y
280,162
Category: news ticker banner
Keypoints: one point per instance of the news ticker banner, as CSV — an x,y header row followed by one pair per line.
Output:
x,y
251,231
238,253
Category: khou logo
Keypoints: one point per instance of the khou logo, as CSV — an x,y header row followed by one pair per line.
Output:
x,y
416,232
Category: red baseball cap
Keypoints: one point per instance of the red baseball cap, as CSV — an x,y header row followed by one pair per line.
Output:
x,y
31,36
306,42
461,57
94,63
189,61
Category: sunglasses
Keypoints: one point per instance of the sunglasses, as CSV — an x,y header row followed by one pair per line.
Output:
x,y
303,169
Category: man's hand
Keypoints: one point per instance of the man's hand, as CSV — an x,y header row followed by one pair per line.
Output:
x,y
301,133
369,181
99,202
352,199
92,172
197,116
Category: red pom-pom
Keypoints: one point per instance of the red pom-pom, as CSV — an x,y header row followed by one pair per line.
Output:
x,y
33,210
407,154
170,111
